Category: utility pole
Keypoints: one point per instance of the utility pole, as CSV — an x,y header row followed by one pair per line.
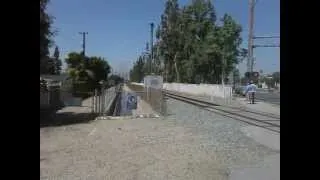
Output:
x,y
251,46
252,4
83,42
151,45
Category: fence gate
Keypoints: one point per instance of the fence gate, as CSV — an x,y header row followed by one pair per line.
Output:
x,y
103,99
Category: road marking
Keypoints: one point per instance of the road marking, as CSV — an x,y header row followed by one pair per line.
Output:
x,y
92,132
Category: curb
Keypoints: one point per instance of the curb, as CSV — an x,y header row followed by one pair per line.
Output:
x,y
127,117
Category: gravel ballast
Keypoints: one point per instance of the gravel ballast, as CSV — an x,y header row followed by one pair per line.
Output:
x,y
221,135
188,144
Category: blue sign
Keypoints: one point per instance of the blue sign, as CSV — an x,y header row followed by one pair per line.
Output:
x,y
131,101
128,103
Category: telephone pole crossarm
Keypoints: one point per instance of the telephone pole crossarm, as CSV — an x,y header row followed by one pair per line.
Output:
x,y
266,37
255,46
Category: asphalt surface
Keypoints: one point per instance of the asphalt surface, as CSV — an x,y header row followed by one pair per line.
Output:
x,y
270,97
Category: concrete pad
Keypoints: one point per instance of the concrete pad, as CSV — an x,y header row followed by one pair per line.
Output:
x,y
263,136
260,106
270,171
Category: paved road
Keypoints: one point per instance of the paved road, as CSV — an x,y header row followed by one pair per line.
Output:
x,y
269,97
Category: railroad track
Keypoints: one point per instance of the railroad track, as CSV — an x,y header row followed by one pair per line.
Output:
x,y
256,118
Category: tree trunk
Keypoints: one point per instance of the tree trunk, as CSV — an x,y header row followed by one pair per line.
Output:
x,y
176,68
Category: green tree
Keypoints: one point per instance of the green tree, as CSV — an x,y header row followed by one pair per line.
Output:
x,y
229,41
76,66
276,77
115,79
86,72
46,34
57,62
169,34
200,18
191,47
236,76
137,72
100,69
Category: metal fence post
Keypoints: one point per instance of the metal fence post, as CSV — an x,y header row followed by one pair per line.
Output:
x,y
102,101
148,96
96,101
92,102
99,102
162,104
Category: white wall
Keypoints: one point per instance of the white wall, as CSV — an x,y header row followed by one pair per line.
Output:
x,y
212,90
215,90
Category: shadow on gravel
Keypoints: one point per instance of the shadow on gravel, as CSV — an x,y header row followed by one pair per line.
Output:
x,y
52,119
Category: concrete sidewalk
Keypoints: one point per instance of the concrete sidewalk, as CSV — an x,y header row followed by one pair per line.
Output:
x,y
70,115
269,169
260,106
86,107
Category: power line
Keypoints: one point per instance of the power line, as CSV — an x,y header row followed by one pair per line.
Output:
x,y
255,46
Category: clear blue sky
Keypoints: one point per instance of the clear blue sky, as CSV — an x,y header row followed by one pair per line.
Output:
x,y
119,29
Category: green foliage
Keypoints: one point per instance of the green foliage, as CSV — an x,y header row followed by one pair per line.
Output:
x,y
236,76
276,77
115,79
46,34
272,80
137,72
192,47
56,61
86,72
